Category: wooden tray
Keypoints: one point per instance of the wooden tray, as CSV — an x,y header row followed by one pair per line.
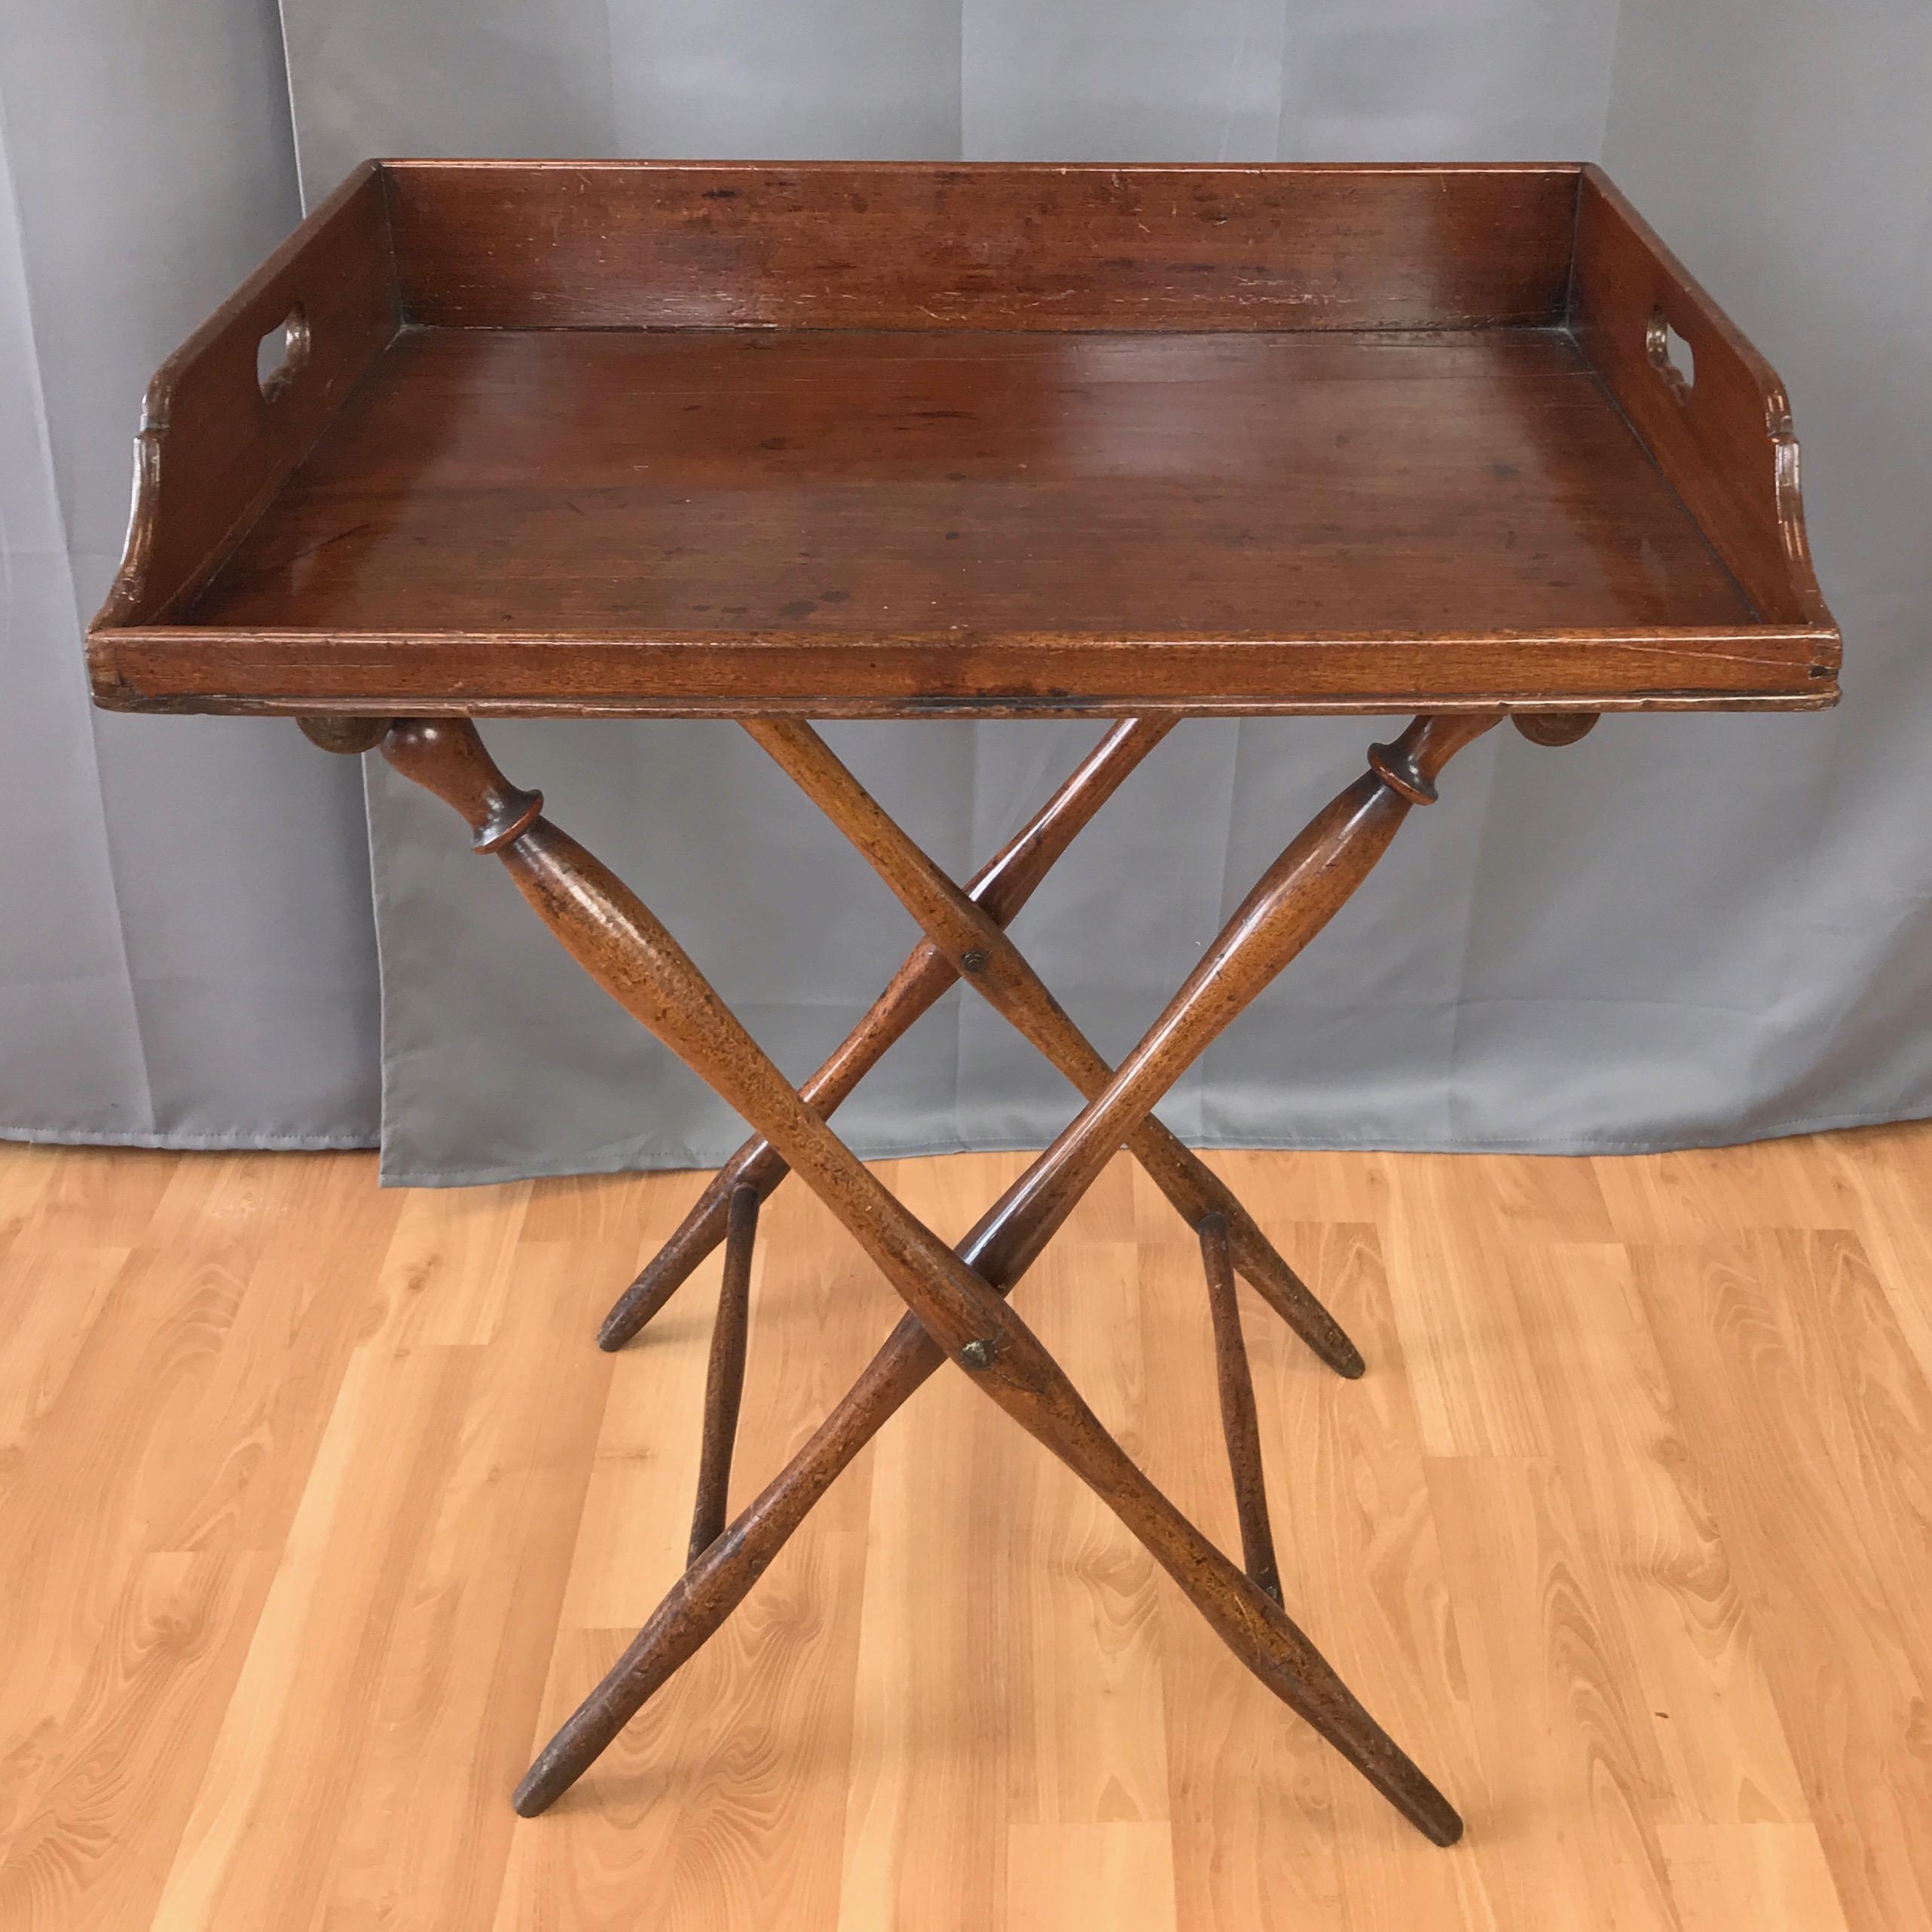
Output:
x,y
651,439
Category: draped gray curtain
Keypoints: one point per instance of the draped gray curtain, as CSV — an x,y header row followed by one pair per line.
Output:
x,y
186,954
1682,930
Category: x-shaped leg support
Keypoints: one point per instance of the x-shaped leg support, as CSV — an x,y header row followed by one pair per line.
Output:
x,y
995,894
955,1298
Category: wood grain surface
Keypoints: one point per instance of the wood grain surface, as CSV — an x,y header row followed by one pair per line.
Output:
x,y
983,244
793,518
320,1505
1722,433
602,481
855,440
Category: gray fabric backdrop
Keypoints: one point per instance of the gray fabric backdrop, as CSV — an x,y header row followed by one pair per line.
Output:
x,y
186,953
1682,930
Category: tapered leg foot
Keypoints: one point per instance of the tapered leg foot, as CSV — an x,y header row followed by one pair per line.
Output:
x,y
1240,1426
724,1382
668,1271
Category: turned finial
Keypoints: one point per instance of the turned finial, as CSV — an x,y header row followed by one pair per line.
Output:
x,y
1554,728
346,735
446,756
1409,766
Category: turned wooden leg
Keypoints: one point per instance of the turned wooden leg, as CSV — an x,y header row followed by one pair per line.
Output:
x,y
724,1379
1001,887
998,890
618,942
1238,1424
1293,899
990,962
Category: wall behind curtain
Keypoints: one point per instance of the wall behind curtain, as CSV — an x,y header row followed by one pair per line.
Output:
x,y
185,950
1683,930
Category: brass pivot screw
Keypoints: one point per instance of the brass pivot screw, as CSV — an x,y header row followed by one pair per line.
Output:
x,y
974,961
977,1354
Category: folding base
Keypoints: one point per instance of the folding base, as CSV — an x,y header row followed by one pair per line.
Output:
x,y
956,1298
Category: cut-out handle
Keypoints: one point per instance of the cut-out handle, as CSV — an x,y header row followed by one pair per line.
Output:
x,y
281,352
1671,355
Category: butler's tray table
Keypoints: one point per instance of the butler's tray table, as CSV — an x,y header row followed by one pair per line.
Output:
x,y
778,443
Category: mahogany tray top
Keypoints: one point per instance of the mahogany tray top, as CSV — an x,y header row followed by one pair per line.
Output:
x,y
652,438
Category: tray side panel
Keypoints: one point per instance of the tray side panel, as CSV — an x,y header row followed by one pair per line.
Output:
x,y
215,443
633,482
923,245
939,675
1724,439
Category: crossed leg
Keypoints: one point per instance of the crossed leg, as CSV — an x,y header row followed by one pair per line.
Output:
x,y
994,896
955,1298
979,950
1001,887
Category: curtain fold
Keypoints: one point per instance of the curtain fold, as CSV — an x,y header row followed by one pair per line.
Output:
x,y
186,956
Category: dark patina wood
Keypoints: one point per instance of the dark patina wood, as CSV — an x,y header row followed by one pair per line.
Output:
x,y
1724,439
999,246
1239,1425
954,1298
214,448
1555,728
778,441
1000,888
977,947
651,438
724,1378
343,732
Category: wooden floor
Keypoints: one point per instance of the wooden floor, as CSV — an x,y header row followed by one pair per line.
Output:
x,y
320,1509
